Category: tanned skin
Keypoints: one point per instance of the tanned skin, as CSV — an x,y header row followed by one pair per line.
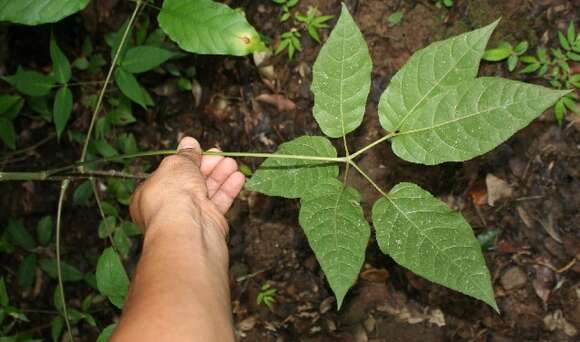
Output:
x,y
180,290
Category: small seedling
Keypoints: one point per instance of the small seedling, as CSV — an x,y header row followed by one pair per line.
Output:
x,y
286,6
313,21
291,41
266,296
443,3
505,51
553,65
395,18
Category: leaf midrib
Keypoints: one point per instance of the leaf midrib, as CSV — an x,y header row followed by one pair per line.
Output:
x,y
412,110
432,242
457,119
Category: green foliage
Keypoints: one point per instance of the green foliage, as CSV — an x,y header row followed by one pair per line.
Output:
x,y
553,65
337,231
422,234
106,334
131,88
44,230
35,12
469,119
10,106
112,280
435,110
214,29
289,41
69,272
144,58
19,236
61,65
311,22
266,296
395,18
286,6
292,178
30,83
505,51
63,103
444,3
341,79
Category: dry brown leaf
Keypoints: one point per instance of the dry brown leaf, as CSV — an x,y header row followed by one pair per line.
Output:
x,y
282,103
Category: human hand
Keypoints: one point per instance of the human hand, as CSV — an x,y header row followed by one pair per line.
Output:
x,y
188,186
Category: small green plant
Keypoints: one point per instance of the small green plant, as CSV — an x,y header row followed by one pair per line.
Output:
x,y
311,23
290,41
443,3
286,6
395,18
505,51
553,65
266,296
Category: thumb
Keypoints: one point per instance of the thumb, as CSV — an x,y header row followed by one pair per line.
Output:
x,y
189,147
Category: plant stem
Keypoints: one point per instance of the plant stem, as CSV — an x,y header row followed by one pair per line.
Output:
x,y
63,187
45,176
371,145
368,178
108,79
59,173
274,155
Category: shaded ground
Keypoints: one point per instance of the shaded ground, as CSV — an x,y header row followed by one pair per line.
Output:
x,y
536,278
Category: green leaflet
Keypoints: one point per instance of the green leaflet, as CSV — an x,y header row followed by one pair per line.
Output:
x,y
35,12
144,58
31,83
106,334
131,88
112,281
341,79
7,133
337,231
69,272
469,119
292,178
63,103
208,27
422,234
60,64
429,71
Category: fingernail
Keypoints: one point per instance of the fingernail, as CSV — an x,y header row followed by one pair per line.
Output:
x,y
188,143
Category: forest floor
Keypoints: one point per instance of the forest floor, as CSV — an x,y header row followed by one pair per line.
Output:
x,y
526,190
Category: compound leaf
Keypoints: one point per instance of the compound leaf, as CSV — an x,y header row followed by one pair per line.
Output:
x,y
422,234
35,12
63,103
144,58
208,27
112,281
337,231
341,79
429,71
470,118
292,178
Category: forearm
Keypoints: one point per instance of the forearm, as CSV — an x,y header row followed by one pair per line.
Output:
x,y
180,291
